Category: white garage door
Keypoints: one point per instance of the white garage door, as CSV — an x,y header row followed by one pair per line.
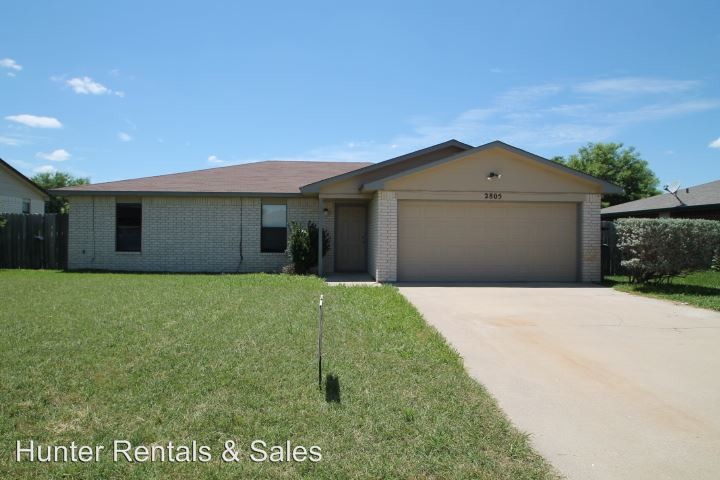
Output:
x,y
483,241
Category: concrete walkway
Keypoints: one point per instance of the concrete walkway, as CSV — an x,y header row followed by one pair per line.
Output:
x,y
609,385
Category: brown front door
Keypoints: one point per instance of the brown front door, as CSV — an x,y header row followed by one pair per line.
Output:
x,y
351,238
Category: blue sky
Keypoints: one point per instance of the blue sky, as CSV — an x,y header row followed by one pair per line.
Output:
x,y
115,90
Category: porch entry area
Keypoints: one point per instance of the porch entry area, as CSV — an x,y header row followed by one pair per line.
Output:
x,y
351,232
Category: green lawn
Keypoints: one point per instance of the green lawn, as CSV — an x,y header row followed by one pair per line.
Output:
x,y
701,289
93,358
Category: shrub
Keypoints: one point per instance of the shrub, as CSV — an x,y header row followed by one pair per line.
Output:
x,y
658,249
2,222
715,264
303,246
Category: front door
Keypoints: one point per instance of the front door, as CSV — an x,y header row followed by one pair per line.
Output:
x,y
351,238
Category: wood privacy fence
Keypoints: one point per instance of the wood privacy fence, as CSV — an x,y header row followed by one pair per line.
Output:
x,y
610,254
34,241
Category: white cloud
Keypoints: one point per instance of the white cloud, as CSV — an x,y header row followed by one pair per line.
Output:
x,y
45,169
215,159
715,143
59,155
635,85
12,142
35,121
124,137
11,64
542,117
88,86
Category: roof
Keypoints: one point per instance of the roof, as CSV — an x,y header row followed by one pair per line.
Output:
x,y
315,187
607,187
25,179
268,177
293,178
706,194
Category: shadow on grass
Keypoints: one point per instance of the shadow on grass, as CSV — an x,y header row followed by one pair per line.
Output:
x,y
672,289
611,282
332,389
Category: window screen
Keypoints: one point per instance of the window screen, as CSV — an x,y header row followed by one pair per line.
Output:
x,y
128,223
273,235
26,205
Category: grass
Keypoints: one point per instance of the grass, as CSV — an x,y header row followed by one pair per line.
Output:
x,y
701,289
91,358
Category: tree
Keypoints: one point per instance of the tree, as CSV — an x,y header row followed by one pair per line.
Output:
x,y
622,166
58,180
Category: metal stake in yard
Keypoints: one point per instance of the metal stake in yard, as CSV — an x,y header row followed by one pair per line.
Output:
x,y
320,332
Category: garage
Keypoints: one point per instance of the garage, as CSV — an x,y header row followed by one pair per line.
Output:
x,y
487,241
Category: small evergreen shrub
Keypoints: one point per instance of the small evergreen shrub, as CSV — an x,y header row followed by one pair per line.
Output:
x,y
657,249
303,246
715,265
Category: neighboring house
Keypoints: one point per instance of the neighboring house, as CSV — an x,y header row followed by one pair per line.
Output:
x,y
449,212
19,194
700,201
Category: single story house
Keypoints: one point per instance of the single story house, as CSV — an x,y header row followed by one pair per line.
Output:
x,y
19,194
450,212
700,201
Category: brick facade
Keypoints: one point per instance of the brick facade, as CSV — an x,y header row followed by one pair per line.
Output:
x,y
192,234
222,234
372,236
385,256
590,269
15,204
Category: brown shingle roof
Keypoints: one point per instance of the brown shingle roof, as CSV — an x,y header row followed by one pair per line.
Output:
x,y
272,177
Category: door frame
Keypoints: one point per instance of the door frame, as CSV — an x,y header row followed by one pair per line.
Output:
x,y
351,203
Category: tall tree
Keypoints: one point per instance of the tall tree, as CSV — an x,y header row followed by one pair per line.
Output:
x,y
58,180
620,165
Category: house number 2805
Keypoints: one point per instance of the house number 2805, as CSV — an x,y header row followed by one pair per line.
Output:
x,y
493,196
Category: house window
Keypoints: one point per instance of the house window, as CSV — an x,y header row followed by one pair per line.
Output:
x,y
128,227
26,205
273,234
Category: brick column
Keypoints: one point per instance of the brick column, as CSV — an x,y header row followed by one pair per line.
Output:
x,y
590,239
386,247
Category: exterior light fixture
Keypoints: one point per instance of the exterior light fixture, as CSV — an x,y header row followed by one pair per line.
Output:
x,y
326,211
494,176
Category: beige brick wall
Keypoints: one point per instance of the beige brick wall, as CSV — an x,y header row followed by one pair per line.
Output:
x,y
386,246
372,236
590,239
190,234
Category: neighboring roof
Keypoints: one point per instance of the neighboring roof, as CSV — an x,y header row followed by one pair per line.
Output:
x,y
25,179
705,195
315,187
268,178
607,187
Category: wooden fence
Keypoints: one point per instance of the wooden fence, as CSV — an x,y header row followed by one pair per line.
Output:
x,y
610,255
34,241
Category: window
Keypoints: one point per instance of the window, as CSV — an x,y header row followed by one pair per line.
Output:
x,y
273,235
26,205
128,227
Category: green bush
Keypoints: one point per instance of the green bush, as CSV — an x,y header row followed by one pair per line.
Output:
x,y
2,222
654,250
303,246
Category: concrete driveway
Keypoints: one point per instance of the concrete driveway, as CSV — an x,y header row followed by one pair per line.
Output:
x,y
608,384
